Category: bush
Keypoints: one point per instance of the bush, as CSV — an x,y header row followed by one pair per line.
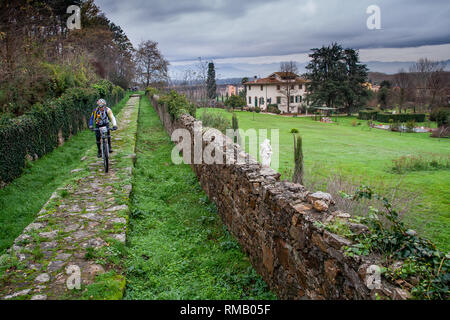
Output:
x,y
36,133
441,116
215,120
257,109
410,125
402,117
177,104
273,108
151,92
235,102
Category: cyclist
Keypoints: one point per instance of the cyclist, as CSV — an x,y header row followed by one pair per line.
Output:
x,y
102,116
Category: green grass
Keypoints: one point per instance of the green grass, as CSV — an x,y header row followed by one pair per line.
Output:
x,y
21,200
177,245
366,155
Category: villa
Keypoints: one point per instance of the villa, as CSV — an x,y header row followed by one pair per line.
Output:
x,y
275,90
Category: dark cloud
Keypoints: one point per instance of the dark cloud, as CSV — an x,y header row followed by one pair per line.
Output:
x,y
187,29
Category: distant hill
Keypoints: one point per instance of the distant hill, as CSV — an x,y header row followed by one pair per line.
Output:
x,y
377,77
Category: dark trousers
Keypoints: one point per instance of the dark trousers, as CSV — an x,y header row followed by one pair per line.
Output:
x,y
98,137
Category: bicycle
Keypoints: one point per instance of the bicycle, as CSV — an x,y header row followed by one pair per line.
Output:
x,y
104,145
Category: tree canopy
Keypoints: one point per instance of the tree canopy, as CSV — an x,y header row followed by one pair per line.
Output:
x,y
336,77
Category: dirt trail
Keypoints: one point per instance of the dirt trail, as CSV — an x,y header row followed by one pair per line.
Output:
x,y
87,215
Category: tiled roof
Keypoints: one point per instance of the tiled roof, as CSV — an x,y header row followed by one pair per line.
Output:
x,y
275,81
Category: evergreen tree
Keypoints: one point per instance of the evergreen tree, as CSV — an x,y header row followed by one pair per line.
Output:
x,y
211,81
336,77
355,93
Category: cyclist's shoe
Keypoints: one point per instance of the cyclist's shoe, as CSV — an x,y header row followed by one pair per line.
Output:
x,y
99,154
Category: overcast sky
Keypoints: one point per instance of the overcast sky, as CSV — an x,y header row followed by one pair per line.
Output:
x,y
251,37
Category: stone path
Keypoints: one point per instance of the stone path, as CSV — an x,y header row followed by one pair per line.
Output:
x,y
79,231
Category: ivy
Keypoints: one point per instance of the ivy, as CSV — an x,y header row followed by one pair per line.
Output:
x,y
423,266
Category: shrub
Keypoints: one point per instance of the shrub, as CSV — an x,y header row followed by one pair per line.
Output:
x,y
177,104
410,125
273,108
215,120
441,116
257,109
150,91
235,102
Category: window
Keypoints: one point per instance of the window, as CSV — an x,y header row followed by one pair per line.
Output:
x,y
249,100
296,99
299,98
292,99
261,101
300,87
269,101
278,100
249,88
292,87
278,87
262,87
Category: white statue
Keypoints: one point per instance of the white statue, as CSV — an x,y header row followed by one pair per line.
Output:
x,y
265,153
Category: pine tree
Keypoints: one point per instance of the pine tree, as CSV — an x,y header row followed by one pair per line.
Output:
x,y
211,81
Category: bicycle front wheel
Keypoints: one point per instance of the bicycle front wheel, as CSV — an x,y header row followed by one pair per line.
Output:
x,y
106,156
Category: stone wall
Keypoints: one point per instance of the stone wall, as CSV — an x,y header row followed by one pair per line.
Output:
x,y
274,222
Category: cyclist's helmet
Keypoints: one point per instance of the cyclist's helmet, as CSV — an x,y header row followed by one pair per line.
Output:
x,y
101,103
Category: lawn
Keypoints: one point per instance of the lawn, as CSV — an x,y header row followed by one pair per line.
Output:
x,y
178,248
364,155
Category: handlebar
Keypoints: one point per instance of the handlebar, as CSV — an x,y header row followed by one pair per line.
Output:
x,y
98,129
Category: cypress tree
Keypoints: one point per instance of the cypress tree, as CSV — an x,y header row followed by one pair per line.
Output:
x,y
211,81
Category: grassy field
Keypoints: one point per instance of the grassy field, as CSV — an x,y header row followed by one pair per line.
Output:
x,y
363,155
178,247
22,199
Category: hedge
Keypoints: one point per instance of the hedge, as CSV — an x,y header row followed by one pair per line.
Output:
x,y
36,133
385,117
402,117
367,114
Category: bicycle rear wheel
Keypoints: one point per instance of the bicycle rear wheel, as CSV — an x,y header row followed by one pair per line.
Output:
x,y
106,155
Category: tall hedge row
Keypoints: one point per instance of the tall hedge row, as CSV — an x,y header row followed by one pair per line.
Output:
x,y
385,117
36,133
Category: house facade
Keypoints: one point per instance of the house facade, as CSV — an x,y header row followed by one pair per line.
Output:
x,y
276,89
231,90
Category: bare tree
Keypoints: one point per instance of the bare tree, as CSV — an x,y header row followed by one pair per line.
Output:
x,y
402,80
151,65
428,80
202,77
289,72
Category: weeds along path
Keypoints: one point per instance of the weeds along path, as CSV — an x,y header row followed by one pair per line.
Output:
x,y
79,234
177,245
